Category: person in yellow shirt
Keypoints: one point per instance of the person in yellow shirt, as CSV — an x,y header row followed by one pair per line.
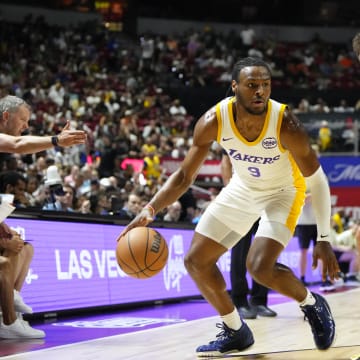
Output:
x,y
152,167
324,137
339,220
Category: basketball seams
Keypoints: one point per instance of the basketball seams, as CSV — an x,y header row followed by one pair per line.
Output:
x,y
164,247
147,246
132,252
132,248
126,263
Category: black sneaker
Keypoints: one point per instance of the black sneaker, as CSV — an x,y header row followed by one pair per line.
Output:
x,y
321,322
247,312
227,341
327,286
263,310
353,280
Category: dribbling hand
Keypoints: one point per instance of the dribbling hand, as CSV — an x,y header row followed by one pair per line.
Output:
x,y
144,218
330,267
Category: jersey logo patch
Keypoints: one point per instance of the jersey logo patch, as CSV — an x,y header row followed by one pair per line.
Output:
x,y
227,139
269,143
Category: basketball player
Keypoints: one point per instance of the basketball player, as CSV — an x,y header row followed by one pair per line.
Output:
x,y
272,158
14,119
356,45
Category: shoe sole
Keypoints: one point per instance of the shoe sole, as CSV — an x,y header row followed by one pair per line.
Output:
x,y
211,354
327,289
267,315
248,317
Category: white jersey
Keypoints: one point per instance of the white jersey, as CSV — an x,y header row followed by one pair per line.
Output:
x,y
263,164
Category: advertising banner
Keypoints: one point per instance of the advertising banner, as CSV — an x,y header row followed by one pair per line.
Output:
x,y
342,171
75,266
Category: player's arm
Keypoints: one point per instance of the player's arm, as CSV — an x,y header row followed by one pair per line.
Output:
x,y
31,144
294,137
205,134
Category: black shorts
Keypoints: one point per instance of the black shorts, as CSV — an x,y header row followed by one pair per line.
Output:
x,y
306,234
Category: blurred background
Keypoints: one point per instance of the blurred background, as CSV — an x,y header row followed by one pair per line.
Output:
x,y
136,75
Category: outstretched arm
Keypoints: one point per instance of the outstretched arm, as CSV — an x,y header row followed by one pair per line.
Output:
x,y
31,144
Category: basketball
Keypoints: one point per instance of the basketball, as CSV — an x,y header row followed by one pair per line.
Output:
x,y
142,252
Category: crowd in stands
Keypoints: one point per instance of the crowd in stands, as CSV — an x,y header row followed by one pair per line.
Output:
x,y
115,88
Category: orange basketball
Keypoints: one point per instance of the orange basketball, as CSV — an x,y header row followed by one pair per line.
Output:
x,y
142,252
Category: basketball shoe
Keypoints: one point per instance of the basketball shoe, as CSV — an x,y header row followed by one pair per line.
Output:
x,y
227,341
327,286
321,322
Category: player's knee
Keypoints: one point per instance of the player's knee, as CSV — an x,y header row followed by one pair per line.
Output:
x,y
196,263
29,250
259,269
4,265
191,262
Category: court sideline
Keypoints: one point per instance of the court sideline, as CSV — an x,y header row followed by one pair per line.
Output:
x,y
174,331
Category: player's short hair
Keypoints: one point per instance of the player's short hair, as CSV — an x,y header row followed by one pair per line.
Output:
x,y
248,61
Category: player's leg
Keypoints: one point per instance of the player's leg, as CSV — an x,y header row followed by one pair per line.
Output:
x,y
262,265
201,263
6,292
19,266
12,326
25,257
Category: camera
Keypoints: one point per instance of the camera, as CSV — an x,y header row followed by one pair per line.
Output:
x,y
54,181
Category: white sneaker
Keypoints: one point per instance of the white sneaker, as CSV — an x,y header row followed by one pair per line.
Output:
x,y
20,329
19,304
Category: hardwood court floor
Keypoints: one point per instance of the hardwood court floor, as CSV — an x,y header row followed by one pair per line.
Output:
x,y
287,336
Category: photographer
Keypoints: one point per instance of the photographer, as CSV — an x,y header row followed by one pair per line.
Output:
x,y
63,200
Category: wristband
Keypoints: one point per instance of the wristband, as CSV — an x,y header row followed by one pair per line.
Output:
x,y
55,141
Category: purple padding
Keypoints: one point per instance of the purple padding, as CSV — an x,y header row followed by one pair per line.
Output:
x,y
75,266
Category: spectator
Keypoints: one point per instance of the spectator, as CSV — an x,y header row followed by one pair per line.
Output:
x,y
340,220
173,212
12,182
324,136
349,136
14,118
62,199
152,169
347,249
131,208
